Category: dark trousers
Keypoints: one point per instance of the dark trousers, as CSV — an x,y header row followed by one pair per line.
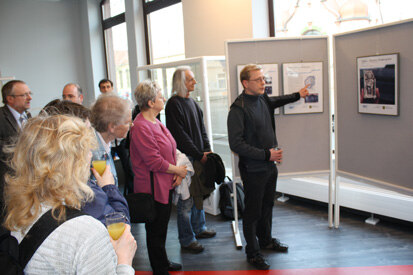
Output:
x,y
259,189
156,236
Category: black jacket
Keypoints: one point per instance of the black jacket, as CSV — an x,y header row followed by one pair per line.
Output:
x,y
9,130
249,132
205,177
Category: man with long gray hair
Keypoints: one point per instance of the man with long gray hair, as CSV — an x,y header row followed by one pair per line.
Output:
x,y
184,119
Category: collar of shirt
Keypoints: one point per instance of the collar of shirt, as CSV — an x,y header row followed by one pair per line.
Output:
x,y
17,115
105,145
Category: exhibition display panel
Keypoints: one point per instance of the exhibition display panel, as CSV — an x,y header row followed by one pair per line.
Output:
x,y
373,119
374,115
304,137
371,155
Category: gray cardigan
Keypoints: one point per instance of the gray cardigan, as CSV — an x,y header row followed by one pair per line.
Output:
x,y
79,246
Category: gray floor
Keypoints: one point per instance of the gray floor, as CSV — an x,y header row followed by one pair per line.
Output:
x,y
304,227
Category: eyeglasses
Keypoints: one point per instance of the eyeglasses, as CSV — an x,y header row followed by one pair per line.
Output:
x,y
26,95
260,79
130,124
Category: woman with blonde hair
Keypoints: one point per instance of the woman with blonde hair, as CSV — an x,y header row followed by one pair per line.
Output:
x,y
50,168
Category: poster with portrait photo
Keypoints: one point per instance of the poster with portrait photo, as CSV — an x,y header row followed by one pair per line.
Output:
x,y
378,84
295,77
271,80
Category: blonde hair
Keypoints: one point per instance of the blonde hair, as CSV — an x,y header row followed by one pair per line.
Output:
x,y
50,166
245,73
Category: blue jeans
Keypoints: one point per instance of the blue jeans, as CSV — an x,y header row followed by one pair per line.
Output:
x,y
191,221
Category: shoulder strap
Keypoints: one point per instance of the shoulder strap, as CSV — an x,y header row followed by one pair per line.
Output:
x,y
44,226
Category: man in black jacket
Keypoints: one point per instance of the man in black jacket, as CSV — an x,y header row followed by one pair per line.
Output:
x,y
16,98
184,119
251,133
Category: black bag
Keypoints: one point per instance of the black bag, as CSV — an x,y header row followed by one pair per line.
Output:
x,y
226,201
142,206
14,257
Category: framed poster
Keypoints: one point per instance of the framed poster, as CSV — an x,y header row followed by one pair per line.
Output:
x,y
378,84
271,80
298,75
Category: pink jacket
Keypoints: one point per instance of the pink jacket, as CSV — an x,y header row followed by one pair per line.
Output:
x,y
152,149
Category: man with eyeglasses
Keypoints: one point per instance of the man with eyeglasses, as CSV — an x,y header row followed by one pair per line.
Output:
x,y
251,134
16,98
73,92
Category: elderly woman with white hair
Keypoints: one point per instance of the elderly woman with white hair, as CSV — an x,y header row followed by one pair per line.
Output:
x,y
153,151
111,118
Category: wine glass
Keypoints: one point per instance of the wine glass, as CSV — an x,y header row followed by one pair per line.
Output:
x,y
99,161
115,223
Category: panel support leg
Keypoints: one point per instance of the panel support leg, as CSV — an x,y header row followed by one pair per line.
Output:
x,y
372,220
283,198
237,236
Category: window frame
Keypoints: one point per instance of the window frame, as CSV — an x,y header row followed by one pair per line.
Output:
x,y
271,18
148,8
107,24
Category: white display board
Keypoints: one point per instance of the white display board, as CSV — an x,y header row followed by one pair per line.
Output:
x,y
378,84
297,76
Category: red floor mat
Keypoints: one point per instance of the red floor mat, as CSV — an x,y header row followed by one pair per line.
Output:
x,y
365,270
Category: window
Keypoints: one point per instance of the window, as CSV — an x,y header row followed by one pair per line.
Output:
x,y
222,81
112,8
315,17
164,31
116,45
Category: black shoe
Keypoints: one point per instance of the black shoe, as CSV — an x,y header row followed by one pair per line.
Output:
x,y
174,266
275,245
208,233
161,273
259,262
194,247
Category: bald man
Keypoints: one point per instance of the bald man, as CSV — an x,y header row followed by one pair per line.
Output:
x,y
73,92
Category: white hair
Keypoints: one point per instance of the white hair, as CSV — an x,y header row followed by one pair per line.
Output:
x,y
178,81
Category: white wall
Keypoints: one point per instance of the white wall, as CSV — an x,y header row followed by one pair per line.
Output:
x,y
43,43
208,23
